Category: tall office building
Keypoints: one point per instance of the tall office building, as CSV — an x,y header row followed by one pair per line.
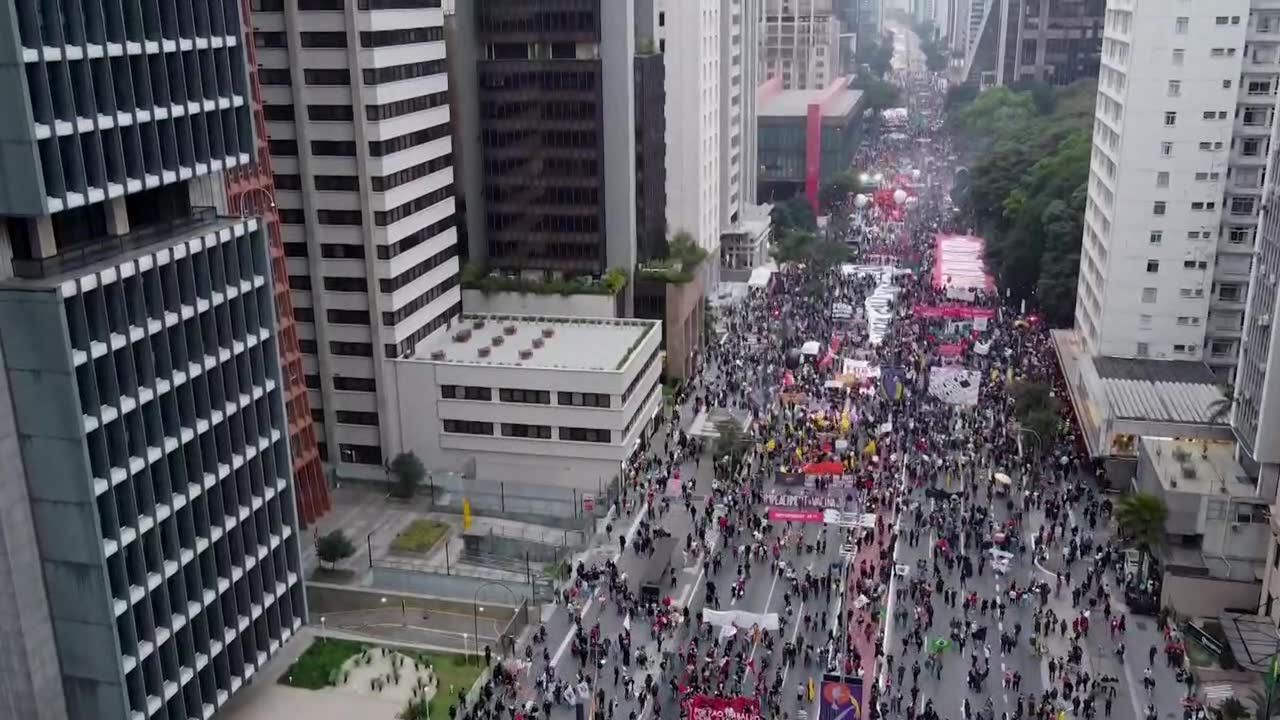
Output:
x,y
800,43
744,226
1052,41
689,33
356,101
149,561
546,121
1186,100
251,191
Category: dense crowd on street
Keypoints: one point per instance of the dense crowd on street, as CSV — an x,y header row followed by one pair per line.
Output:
x,y
959,484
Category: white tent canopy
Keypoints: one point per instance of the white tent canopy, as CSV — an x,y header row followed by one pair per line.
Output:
x,y
760,278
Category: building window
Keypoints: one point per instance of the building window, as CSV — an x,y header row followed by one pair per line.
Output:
x,y
418,204
360,454
421,170
287,182
1220,348
403,312
533,432
1162,179
1194,264
1220,20
1179,56
1158,207
307,346
354,384
1259,87
337,183
353,417
578,399
403,36
1156,237
282,148
329,113
1238,235
408,71
324,39
1144,322
304,314
278,113
517,395
1166,149
273,76
400,143
341,251
1229,292
1170,119
466,392
353,349
1181,25
348,317
468,427
1143,350
585,435
1241,206
339,217
1191,293
333,148
326,76
404,107
299,282
393,284
346,284
1153,266
1149,295
295,249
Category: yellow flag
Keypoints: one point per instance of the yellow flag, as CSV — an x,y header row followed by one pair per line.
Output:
x,y
813,693
466,514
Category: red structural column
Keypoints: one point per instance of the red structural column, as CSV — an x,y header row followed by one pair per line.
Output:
x,y
251,190
813,153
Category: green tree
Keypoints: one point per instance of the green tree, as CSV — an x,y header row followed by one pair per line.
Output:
x,y
409,473
958,97
793,246
877,94
1220,409
334,547
793,214
1029,397
732,442
837,190
1231,709
1140,518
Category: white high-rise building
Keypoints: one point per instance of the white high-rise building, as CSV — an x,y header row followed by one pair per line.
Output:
x,y
689,35
1185,105
356,101
800,43
744,226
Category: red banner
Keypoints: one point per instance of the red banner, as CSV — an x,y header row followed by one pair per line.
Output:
x,y
954,312
830,467
790,515
706,707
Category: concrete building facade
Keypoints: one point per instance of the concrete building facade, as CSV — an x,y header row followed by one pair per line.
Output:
x,y
149,559
545,96
1052,41
689,36
800,43
356,101
510,398
1185,110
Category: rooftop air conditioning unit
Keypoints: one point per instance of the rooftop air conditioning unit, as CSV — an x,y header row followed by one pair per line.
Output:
x,y
526,353
509,330
498,340
538,342
548,332
462,335
437,355
484,351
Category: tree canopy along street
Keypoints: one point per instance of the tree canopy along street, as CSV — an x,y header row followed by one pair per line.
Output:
x,y
870,502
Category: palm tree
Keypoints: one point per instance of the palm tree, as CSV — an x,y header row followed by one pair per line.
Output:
x,y
1220,409
1141,518
732,441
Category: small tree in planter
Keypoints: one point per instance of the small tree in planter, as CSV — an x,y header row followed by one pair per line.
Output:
x,y
409,472
334,547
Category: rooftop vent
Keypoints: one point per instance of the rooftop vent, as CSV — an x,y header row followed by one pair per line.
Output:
x,y
462,335
437,354
483,352
509,330
497,340
1189,472
477,323
548,332
538,342
526,354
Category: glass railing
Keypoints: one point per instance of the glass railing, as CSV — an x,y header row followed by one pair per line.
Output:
x,y
88,253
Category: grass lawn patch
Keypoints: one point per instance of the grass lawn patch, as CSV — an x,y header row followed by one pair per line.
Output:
x,y
315,667
451,671
419,536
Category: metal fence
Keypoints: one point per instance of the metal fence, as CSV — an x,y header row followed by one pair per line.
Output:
x,y
551,505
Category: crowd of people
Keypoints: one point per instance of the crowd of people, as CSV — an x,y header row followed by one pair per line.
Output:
x,y
960,479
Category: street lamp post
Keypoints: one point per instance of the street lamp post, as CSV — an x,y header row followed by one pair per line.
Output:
x,y
476,609
243,199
